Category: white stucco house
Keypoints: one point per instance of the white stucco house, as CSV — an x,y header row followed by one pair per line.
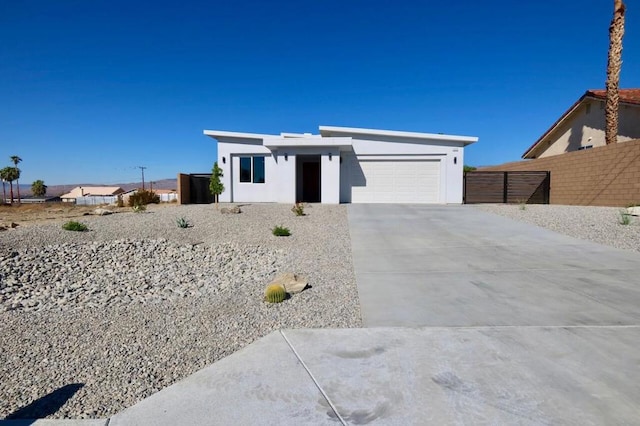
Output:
x,y
341,165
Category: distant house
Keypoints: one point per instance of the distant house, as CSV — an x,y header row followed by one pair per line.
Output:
x,y
92,195
166,195
582,126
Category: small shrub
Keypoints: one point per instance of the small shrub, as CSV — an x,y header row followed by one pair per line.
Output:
x,y
625,218
183,222
142,198
280,231
75,226
139,208
298,209
275,293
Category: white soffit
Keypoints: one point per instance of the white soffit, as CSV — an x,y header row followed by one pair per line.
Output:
x,y
236,135
343,142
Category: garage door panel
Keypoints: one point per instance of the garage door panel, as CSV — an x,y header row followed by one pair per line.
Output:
x,y
396,181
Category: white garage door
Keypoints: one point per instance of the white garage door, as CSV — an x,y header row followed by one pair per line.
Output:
x,y
395,181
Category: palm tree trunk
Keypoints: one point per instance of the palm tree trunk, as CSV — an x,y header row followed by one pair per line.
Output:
x,y
614,64
18,187
11,188
4,193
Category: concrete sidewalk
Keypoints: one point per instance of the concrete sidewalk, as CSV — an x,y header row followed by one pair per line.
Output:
x,y
392,376
481,320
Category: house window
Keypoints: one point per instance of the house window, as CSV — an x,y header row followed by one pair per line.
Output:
x,y
245,169
258,169
252,169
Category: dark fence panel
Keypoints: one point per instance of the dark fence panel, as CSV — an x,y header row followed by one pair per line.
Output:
x,y
199,189
507,187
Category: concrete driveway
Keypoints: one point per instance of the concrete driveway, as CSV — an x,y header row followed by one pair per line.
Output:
x,y
457,266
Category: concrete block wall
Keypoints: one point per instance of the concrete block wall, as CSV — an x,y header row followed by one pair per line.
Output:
x,y
601,176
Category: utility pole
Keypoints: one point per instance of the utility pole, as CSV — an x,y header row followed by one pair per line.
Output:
x,y
142,168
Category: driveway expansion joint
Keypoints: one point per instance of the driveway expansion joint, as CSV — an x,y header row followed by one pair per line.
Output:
x,y
317,384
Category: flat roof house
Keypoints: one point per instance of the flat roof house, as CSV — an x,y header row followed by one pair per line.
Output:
x,y
341,165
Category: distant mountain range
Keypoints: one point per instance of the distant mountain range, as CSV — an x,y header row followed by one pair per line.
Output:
x,y
54,190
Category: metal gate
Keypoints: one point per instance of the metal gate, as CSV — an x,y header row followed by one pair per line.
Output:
x,y
507,187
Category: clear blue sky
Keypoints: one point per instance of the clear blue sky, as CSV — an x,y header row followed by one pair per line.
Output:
x,y
90,89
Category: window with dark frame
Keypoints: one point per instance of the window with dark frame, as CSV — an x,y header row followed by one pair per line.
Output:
x,y
252,169
258,169
245,169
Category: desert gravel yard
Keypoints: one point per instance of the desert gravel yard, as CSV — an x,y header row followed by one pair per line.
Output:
x,y
137,303
597,224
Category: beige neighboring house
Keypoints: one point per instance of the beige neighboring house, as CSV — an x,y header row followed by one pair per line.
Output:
x,y
90,191
582,126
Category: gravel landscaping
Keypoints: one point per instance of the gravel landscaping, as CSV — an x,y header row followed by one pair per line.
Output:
x,y
137,303
598,224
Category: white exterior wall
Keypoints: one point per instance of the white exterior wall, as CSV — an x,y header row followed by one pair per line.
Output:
x,y
330,177
232,151
577,130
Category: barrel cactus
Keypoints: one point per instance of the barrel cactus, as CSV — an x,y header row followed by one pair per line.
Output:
x,y
275,293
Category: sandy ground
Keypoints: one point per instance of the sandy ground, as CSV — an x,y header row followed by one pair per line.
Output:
x,y
29,214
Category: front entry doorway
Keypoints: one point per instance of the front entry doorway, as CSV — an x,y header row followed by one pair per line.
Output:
x,y
308,178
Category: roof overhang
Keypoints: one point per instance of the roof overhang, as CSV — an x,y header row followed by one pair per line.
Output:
x,y
218,134
328,131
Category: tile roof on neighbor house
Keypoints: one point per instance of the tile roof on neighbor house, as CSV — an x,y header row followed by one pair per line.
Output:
x,y
85,191
628,96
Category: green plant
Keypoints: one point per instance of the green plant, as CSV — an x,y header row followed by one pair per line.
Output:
x,y
275,293
625,218
466,168
75,226
298,209
143,197
280,231
183,222
38,188
139,208
522,205
215,186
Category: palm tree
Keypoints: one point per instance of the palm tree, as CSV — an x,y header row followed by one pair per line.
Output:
x,y
38,188
614,64
10,174
3,177
15,160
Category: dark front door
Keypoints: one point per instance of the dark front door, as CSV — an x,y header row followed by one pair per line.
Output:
x,y
311,182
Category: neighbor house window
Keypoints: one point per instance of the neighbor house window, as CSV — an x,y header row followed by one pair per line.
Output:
x,y
252,169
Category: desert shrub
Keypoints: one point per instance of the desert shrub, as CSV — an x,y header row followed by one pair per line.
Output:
x,y
142,198
298,209
275,293
182,222
75,226
139,208
119,201
625,218
280,231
